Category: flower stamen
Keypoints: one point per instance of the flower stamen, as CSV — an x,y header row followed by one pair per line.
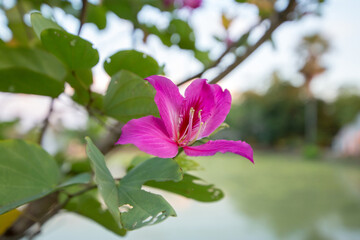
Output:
x,y
188,129
200,128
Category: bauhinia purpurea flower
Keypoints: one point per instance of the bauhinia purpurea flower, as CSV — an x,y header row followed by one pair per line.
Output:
x,y
183,121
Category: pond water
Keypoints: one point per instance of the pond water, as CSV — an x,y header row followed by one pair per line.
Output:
x,y
280,197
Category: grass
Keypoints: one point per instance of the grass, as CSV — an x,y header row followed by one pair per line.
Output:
x,y
286,191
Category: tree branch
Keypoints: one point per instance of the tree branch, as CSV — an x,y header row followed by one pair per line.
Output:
x,y
46,121
229,49
275,21
82,15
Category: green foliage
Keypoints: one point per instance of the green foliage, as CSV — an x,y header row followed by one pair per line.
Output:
x,y
126,9
133,61
7,128
33,71
40,23
19,30
268,119
96,14
27,173
187,164
83,178
127,201
140,208
73,51
181,34
311,151
129,96
191,187
104,180
277,118
346,107
77,54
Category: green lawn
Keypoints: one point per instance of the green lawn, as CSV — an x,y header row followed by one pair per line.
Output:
x,y
288,193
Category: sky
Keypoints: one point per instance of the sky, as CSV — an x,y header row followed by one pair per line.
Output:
x,y
339,22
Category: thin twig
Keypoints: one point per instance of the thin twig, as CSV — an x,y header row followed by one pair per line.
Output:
x,y
57,207
229,49
275,21
46,121
82,15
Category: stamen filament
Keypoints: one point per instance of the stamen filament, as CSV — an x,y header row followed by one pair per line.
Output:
x,y
200,128
188,129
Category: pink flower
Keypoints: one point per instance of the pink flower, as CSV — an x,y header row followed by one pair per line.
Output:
x,y
183,121
192,3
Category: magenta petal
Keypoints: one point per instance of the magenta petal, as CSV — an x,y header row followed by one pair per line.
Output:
x,y
200,96
223,146
220,110
149,135
168,100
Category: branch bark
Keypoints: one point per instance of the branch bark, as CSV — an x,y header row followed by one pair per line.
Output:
x,y
46,121
82,15
229,49
275,21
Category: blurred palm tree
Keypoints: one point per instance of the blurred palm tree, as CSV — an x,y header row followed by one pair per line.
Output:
x,y
311,49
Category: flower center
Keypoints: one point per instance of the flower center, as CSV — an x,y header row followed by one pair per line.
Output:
x,y
186,137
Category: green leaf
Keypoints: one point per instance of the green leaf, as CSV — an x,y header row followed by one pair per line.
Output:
x,y
32,71
190,187
104,180
7,128
39,23
18,29
203,57
187,164
83,178
80,167
72,50
181,34
96,14
158,169
89,206
126,9
83,98
137,62
80,79
129,96
140,208
27,173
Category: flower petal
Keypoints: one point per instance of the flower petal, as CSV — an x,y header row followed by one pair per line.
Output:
x,y
223,146
149,135
220,110
168,100
199,96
